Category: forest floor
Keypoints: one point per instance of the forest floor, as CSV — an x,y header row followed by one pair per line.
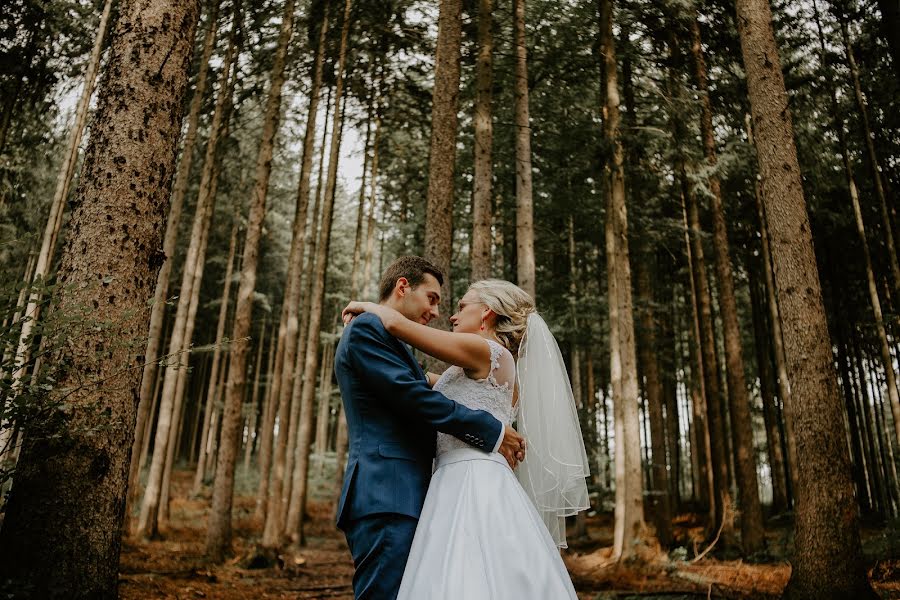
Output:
x,y
174,567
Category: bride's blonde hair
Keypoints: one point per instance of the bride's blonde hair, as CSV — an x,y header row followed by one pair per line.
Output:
x,y
511,304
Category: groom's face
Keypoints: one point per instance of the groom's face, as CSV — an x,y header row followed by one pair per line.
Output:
x,y
421,303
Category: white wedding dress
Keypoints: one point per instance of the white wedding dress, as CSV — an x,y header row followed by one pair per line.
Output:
x,y
479,536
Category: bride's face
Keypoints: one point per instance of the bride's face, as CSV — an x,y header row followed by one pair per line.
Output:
x,y
470,314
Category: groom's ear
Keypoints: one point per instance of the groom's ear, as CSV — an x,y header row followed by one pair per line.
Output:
x,y
401,285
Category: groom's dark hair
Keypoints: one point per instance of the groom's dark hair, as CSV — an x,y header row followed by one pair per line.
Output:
x,y
412,268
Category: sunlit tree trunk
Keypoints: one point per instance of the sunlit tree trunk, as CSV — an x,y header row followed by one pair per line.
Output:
x,y
828,560
72,476
629,520
484,141
218,534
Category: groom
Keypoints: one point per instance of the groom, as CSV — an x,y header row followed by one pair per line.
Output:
x,y
392,419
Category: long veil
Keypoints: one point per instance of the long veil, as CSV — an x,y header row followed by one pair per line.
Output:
x,y
555,466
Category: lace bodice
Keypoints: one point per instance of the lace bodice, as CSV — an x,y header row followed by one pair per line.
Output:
x,y
493,394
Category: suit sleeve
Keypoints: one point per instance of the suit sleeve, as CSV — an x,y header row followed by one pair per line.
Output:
x,y
395,383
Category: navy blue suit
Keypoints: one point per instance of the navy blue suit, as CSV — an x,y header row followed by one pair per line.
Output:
x,y
392,419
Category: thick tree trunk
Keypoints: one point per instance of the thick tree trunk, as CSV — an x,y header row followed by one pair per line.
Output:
x,y
752,531
629,519
647,349
179,343
484,142
442,162
213,391
218,534
72,476
828,561
297,505
158,308
525,269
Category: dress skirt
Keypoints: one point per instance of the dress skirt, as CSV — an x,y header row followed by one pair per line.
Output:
x,y
480,538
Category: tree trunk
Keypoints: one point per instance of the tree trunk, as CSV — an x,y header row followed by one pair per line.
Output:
x,y
442,162
875,164
254,402
213,390
372,226
829,555
647,349
72,475
484,141
298,474
218,534
361,203
887,361
524,203
752,531
324,416
771,414
158,308
629,520
179,343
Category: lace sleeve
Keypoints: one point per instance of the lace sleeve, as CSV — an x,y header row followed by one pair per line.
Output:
x,y
503,366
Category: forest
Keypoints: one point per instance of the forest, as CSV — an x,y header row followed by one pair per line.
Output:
x,y
701,195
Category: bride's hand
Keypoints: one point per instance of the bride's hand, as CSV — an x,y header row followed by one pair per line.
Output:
x,y
356,308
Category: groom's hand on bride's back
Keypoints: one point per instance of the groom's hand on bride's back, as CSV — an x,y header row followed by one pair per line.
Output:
x,y
512,447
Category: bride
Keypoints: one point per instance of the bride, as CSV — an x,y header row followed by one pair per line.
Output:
x,y
485,532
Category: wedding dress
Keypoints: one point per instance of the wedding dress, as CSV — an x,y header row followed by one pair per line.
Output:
x,y
479,536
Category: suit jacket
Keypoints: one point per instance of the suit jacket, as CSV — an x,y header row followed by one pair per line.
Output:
x,y
392,419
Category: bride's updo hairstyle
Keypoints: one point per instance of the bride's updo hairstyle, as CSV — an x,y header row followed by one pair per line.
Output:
x,y
511,304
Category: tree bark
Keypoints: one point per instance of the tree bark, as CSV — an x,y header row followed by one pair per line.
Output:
x,y
160,295
218,534
629,521
254,402
829,555
484,141
297,504
525,268
752,531
180,341
442,162
72,474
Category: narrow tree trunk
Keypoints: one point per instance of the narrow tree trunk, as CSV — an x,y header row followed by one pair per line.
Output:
x,y
213,390
524,203
179,344
828,561
72,475
484,141
442,162
254,402
296,508
752,532
647,349
875,164
361,203
324,416
218,535
372,225
771,415
158,308
629,520
887,361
